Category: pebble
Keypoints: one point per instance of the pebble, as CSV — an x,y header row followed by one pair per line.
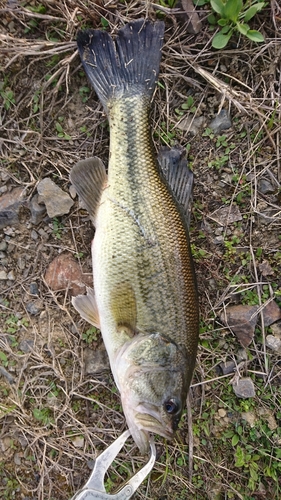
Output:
x,y
34,307
227,367
271,313
78,442
244,388
38,211
3,246
57,202
242,321
3,275
26,345
190,124
221,412
273,343
34,235
95,361
64,272
276,329
2,255
33,287
226,215
21,263
11,275
17,459
265,187
10,204
221,122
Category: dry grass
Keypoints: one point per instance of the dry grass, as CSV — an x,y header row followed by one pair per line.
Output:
x,y
43,84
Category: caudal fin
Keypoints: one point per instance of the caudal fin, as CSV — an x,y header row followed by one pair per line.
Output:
x,y
125,66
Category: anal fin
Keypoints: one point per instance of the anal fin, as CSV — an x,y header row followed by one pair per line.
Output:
x,y
173,165
87,307
89,179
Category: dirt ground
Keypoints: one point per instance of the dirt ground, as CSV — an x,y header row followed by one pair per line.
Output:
x,y
56,412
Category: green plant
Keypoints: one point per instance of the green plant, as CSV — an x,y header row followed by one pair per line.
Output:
x,y
57,228
231,16
84,93
60,130
7,94
90,335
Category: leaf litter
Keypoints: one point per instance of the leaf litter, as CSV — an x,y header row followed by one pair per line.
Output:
x,y
55,416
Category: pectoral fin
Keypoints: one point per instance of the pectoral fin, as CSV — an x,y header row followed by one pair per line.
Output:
x,y
87,307
173,165
124,308
89,179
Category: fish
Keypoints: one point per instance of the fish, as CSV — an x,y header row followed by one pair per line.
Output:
x,y
144,298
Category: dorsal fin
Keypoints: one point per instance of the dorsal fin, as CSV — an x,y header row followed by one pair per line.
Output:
x,y
173,165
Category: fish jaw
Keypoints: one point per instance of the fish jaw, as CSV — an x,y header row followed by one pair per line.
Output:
x,y
152,373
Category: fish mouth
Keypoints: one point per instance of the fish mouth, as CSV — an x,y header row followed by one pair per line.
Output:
x,y
150,424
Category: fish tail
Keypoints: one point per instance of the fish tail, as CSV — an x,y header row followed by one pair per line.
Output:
x,y
125,66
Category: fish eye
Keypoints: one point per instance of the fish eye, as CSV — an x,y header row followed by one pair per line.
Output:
x,y
172,406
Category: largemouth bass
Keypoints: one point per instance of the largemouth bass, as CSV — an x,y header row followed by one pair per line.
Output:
x,y
144,299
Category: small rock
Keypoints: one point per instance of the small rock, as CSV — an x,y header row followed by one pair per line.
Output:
x,y
273,343
34,307
242,320
276,329
2,255
271,313
226,215
3,189
56,200
26,345
265,187
95,361
222,412
221,122
250,417
38,211
17,458
34,289
3,275
3,246
64,273
190,124
11,275
227,367
10,204
244,388
266,269
241,355
34,235
7,375
21,262
78,442
72,191
219,240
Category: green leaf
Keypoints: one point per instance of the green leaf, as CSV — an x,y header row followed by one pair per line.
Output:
x,y
225,30
212,19
235,440
3,357
251,12
255,36
223,22
220,40
59,127
218,6
232,9
242,28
